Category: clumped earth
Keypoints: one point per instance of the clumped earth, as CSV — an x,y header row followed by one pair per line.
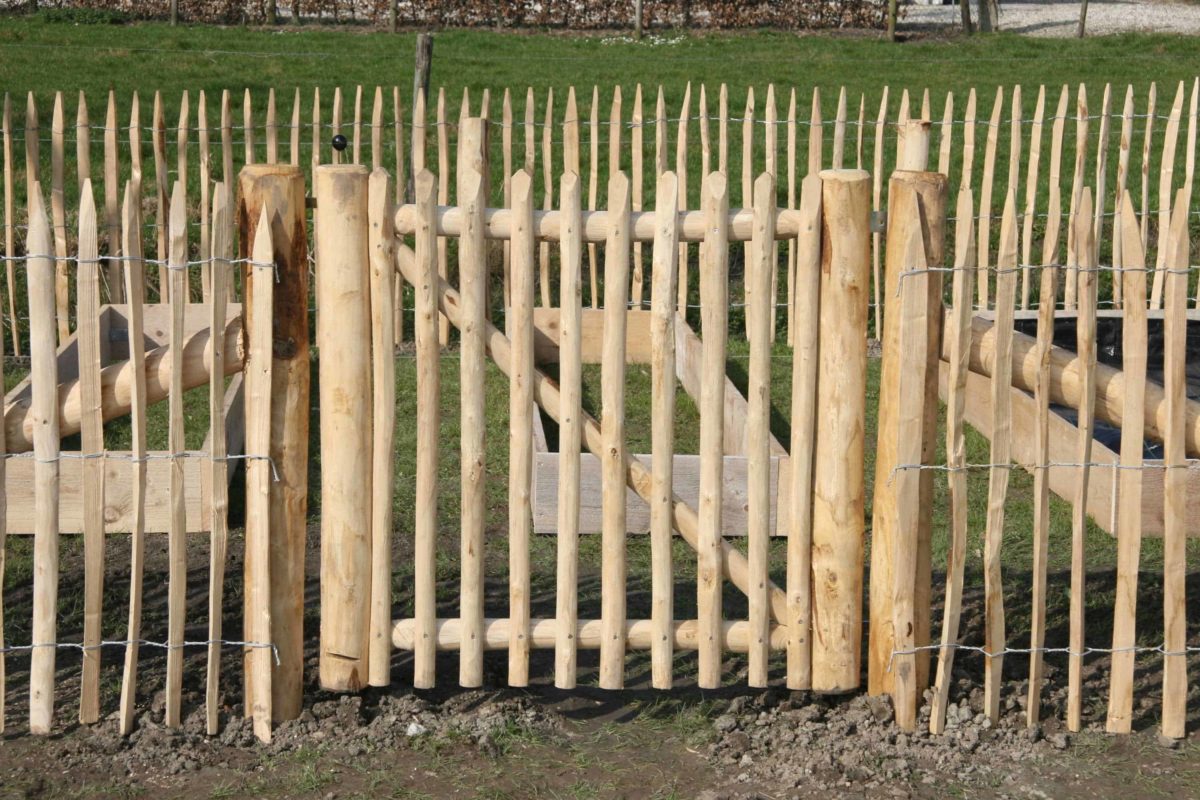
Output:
x,y
539,742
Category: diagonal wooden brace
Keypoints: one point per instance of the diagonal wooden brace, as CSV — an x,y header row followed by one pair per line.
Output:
x,y
546,393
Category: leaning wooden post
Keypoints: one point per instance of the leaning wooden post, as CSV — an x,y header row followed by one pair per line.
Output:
x,y
915,199
344,341
280,189
838,491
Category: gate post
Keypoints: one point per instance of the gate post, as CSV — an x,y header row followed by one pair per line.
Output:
x,y
838,527
914,199
280,189
344,342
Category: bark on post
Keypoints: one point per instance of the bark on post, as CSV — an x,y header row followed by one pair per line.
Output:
x,y
344,341
280,189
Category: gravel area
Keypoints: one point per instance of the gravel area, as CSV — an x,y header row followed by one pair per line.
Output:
x,y
1054,19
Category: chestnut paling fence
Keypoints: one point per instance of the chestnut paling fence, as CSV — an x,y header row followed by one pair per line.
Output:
x,y
954,337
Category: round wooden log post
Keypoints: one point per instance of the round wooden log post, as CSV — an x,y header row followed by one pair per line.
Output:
x,y
913,147
280,189
344,344
838,486
914,198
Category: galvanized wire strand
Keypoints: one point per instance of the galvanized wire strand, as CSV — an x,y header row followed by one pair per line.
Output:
x,y
25,648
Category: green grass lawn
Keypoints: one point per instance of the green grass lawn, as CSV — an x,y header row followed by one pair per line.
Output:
x,y
43,57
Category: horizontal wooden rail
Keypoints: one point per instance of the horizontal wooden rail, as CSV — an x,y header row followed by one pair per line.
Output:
x,y
638,634
497,224
116,381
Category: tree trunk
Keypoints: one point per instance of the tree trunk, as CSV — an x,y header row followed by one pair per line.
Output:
x,y
989,15
893,10
272,13
1082,18
174,12
965,6
637,18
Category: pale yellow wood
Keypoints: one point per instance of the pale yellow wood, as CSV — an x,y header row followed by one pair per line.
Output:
x,y
294,138
839,130
839,491
1014,151
613,457
472,268
383,404
1102,169
614,132
722,130
1176,494
32,145
1166,174
377,130
401,180
112,197
876,208
520,429
1042,477
803,411
983,260
915,198
968,156
443,173
946,136
681,164
176,534
271,128
1123,152
131,248
162,184
83,142
662,337
425,512
912,336
10,223
1054,200
336,123
639,634
356,130
714,315
569,443
58,213
791,203
816,134
1085,329
1071,290
343,337
181,142
205,169
1134,357
637,281
87,315
219,270
958,337
570,136
1000,455
547,183
40,275
758,425
248,127
747,184
506,131
258,482
638,475
705,155
593,188
419,134
1031,187
771,135
1147,140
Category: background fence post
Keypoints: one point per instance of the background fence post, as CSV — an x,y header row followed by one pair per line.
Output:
x,y
344,340
280,189
914,199
838,490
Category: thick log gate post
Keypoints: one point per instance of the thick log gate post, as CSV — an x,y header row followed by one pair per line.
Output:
x,y
280,190
344,341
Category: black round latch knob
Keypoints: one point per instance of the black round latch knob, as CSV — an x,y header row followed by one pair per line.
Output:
x,y
339,142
